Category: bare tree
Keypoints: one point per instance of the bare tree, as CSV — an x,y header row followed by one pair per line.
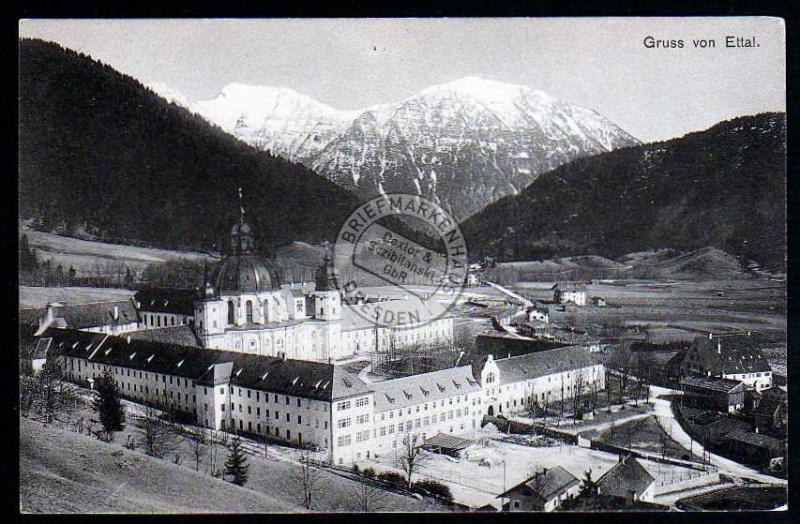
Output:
x,y
411,458
368,497
158,433
308,478
621,360
199,446
578,386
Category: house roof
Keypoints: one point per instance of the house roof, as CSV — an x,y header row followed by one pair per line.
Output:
x,y
721,385
728,355
725,425
444,441
316,380
81,316
427,387
183,335
167,300
543,363
547,484
756,440
627,475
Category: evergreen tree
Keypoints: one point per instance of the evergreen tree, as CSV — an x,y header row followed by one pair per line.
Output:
x,y
27,257
108,405
236,463
128,278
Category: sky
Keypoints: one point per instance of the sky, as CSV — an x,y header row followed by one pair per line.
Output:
x,y
599,63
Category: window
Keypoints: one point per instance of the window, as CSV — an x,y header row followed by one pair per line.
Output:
x,y
288,417
490,378
287,401
362,419
249,311
361,402
344,422
249,410
343,441
222,407
298,402
342,406
299,419
391,429
362,436
383,431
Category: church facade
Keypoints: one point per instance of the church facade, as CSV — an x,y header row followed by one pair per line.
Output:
x,y
246,309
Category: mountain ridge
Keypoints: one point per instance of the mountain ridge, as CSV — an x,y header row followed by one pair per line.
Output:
x,y
723,187
491,137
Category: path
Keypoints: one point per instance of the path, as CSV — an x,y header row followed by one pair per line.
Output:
x,y
512,294
665,417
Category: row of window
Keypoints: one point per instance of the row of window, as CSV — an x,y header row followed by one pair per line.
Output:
x,y
299,418
425,407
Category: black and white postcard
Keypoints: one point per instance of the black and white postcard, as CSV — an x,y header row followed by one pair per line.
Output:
x,y
402,265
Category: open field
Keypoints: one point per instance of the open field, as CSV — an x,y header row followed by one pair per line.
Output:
x,y
84,255
38,297
747,304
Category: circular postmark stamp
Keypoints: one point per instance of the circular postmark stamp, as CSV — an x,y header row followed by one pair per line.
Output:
x,y
403,259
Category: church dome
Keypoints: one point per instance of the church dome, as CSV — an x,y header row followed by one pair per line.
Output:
x,y
245,274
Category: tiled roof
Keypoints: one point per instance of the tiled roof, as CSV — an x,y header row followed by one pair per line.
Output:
x,y
428,387
626,476
721,385
542,363
183,335
444,441
756,439
80,316
301,378
738,354
167,300
548,484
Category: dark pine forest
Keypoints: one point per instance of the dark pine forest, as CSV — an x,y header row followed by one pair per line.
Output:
x,y
101,153
724,187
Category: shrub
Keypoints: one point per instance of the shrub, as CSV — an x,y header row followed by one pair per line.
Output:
x,y
395,479
355,469
431,487
369,473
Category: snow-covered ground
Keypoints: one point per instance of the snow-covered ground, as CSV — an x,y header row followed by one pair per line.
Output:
x,y
664,415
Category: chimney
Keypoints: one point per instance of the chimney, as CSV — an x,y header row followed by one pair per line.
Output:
x,y
756,430
719,346
116,312
544,471
710,335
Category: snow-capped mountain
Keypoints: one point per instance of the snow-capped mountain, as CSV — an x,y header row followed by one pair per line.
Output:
x,y
465,144
277,119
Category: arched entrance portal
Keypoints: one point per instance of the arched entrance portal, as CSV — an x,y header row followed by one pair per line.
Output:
x,y
491,411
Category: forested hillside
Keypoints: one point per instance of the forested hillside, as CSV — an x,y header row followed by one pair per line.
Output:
x,y
99,153
724,187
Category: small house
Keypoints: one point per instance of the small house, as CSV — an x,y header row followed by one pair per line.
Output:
x,y
727,396
545,491
628,480
754,448
598,301
772,415
569,294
